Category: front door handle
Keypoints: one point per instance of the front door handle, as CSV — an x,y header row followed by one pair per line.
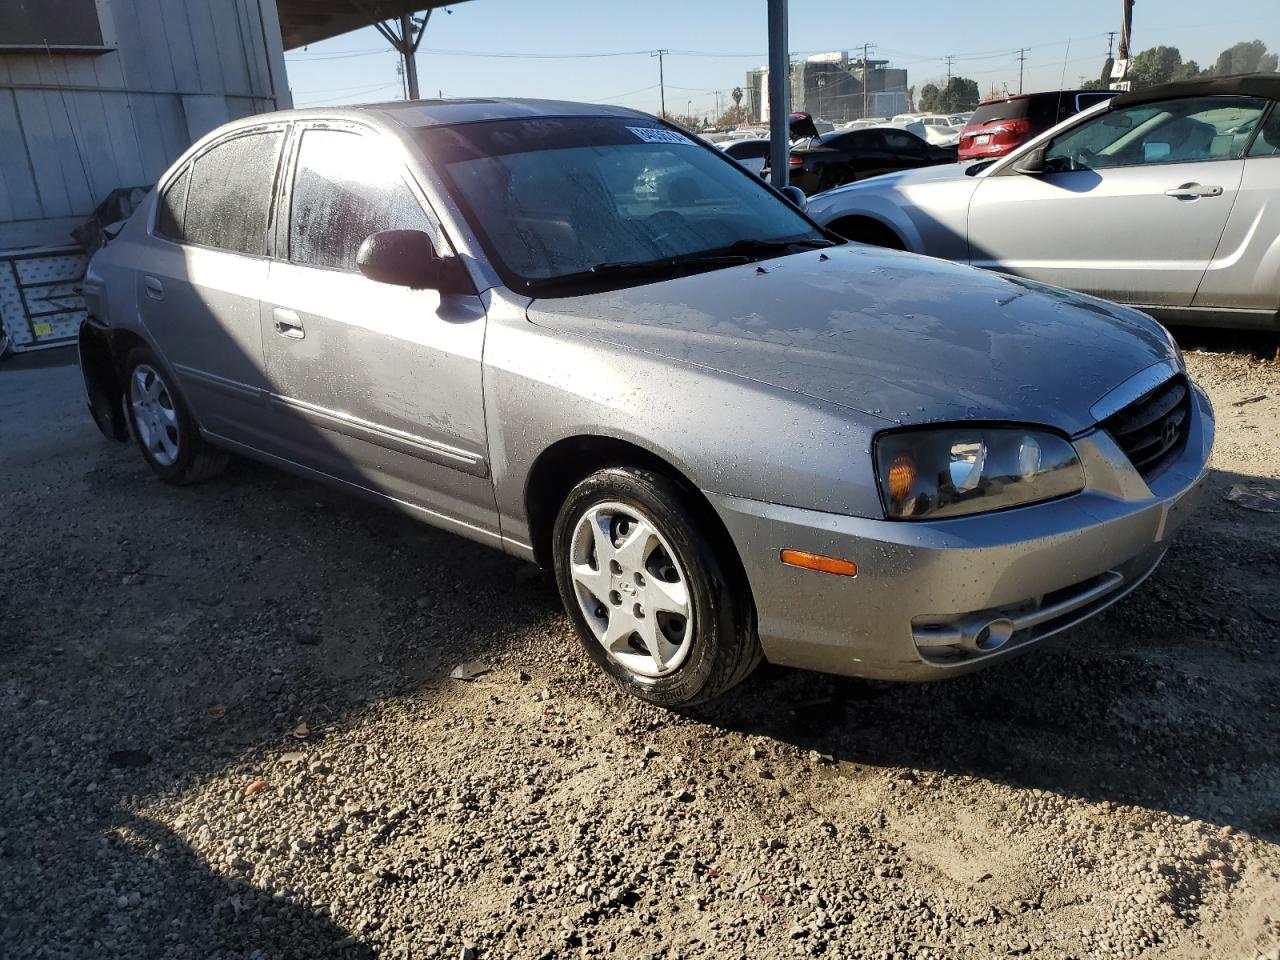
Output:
x,y
154,288
1193,191
288,323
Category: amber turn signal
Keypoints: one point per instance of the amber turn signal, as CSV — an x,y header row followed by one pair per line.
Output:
x,y
815,561
902,477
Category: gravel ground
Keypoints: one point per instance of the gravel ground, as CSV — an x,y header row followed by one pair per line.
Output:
x,y
229,731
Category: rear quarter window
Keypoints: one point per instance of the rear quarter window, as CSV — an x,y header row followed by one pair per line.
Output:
x,y
171,207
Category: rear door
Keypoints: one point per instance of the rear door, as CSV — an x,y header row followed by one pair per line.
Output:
x,y
199,288
1131,206
374,384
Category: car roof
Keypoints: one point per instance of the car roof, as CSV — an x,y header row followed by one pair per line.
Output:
x,y
433,113
1244,85
1038,95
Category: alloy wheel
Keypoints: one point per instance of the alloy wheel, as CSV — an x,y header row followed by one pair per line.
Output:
x,y
631,589
154,416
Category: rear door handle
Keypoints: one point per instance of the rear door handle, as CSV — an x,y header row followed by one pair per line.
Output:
x,y
288,323
155,289
1193,191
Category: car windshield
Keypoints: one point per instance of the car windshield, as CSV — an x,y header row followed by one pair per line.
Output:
x,y
558,201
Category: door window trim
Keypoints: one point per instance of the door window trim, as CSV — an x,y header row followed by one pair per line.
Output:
x,y
289,170
1170,163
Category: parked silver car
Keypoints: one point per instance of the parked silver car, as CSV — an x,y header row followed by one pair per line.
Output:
x,y
575,334
1167,199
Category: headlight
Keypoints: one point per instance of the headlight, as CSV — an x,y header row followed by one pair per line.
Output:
x,y
948,472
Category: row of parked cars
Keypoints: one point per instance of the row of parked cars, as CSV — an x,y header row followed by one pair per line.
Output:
x,y
577,334
822,159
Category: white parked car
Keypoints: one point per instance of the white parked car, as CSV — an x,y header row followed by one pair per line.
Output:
x,y
1167,199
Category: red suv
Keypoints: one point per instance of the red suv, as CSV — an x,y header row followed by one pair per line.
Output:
x,y
997,126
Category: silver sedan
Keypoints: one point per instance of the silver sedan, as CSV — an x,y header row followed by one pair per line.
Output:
x,y
1167,199
577,335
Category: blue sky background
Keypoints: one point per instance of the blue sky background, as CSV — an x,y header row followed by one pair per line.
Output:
x,y
714,42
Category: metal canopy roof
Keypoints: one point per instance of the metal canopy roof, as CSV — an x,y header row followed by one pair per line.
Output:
x,y
309,21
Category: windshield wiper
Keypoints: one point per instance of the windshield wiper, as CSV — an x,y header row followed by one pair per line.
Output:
x,y
665,266
753,245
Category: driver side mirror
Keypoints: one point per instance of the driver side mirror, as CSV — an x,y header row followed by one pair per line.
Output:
x,y
796,197
1032,163
404,258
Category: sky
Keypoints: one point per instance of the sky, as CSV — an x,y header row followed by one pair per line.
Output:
x,y
602,51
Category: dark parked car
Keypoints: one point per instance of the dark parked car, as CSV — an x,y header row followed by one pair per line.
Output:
x,y
844,156
997,126
752,154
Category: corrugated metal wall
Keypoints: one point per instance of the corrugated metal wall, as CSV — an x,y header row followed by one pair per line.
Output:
x,y
73,127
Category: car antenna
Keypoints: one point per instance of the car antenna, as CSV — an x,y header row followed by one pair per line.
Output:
x,y
1057,114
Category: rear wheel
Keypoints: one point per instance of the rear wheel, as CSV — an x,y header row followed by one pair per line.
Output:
x,y
656,604
159,420
832,177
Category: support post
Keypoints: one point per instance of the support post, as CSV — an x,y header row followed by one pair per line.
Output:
x,y
410,61
779,94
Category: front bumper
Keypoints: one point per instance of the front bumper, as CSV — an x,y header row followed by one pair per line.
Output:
x,y
924,590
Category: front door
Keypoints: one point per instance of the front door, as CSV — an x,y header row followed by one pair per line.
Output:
x,y
1131,205
374,384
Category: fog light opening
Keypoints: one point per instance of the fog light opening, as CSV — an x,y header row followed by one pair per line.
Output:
x,y
993,635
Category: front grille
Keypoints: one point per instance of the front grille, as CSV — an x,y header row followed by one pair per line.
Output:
x,y
1153,429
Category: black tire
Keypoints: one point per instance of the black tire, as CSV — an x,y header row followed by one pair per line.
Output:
x,y
196,460
832,177
871,232
724,646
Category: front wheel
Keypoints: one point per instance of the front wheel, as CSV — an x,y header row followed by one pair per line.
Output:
x,y
657,602
159,420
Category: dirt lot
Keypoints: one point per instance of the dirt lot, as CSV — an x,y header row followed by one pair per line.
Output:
x,y
227,730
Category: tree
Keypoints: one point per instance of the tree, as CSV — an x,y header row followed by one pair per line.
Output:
x,y
737,96
929,95
735,116
911,99
1246,57
1156,65
960,94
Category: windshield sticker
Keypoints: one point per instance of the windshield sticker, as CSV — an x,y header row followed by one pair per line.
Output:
x,y
659,135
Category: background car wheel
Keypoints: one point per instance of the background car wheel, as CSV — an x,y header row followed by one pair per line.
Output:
x,y
866,230
161,423
832,178
658,604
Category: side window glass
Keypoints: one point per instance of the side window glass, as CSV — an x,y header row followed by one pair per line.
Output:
x,y
230,194
1267,143
344,190
907,143
1171,131
171,207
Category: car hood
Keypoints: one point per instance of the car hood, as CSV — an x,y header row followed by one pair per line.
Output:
x,y
905,338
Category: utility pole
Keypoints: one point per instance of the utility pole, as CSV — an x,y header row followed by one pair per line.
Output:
x,y
405,42
865,81
950,58
1022,58
1111,39
779,94
1126,29
662,83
